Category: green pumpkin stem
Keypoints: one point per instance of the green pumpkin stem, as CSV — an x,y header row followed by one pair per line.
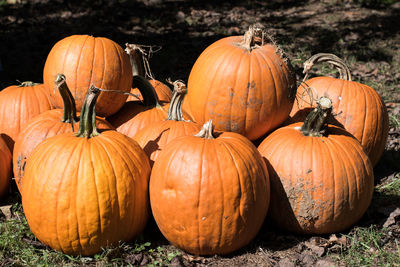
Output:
x,y
206,131
344,72
69,115
135,59
28,84
175,107
87,125
316,120
150,98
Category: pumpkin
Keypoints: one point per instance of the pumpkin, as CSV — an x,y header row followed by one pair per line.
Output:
x,y
321,179
140,66
209,195
5,167
48,124
84,60
18,104
156,136
360,109
88,190
243,83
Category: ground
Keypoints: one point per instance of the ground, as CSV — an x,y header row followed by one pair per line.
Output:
x,y
365,33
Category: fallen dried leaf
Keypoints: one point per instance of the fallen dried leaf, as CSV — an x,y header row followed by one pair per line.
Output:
x,y
6,210
393,217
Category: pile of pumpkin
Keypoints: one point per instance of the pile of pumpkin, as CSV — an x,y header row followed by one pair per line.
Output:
x,y
188,157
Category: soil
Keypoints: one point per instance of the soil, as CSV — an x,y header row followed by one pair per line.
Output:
x,y
366,36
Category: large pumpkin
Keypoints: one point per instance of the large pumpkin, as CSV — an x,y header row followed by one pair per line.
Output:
x,y
5,167
243,83
321,179
360,109
87,60
86,191
45,125
209,195
18,104
156,136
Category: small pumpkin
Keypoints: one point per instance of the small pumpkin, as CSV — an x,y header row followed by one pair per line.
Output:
x,y
321,179
48,124
209,195
87,60
360,109
87,190
243,83
19,104
5,167
141,67
156,136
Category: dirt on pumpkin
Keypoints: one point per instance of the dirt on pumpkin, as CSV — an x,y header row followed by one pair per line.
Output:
x,y
366,34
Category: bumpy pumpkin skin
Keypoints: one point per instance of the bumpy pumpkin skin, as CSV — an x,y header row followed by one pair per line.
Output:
x,y
248,92
83,194
41,127
5,167
209,196
19,104
86,60
319,185
164,94
360,110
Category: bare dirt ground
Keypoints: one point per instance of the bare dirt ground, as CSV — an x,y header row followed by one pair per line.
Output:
x,y
366,36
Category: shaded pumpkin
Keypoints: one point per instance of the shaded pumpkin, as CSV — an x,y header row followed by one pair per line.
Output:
x,y
19,104
360,110
87,190
156,136
322,181
209,195
48,124
87,60
163,92
5,167
243,83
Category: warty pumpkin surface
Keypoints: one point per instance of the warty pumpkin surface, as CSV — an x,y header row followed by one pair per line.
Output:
x,y
209,195
87,60
321,182
360,109
5,167
86,191
19,104
243,83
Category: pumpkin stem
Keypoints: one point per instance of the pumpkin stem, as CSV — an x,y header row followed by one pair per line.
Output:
x,y
28,84
254,37
87,125
139,56
316,120
344,72
135,59
69,115
206,131
175,107
150,98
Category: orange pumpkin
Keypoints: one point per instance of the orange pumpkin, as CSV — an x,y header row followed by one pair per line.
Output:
x,y
209,195
45,125
243,83
321,179
87,190
163,92
360,109
5,167
84,60
18,104
156,136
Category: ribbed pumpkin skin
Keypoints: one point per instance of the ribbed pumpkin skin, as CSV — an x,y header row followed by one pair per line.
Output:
x,y
5,167
241,91
360,110
83,194
41,127
164,94
319,185
85,60
155,137
209,196
19,104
